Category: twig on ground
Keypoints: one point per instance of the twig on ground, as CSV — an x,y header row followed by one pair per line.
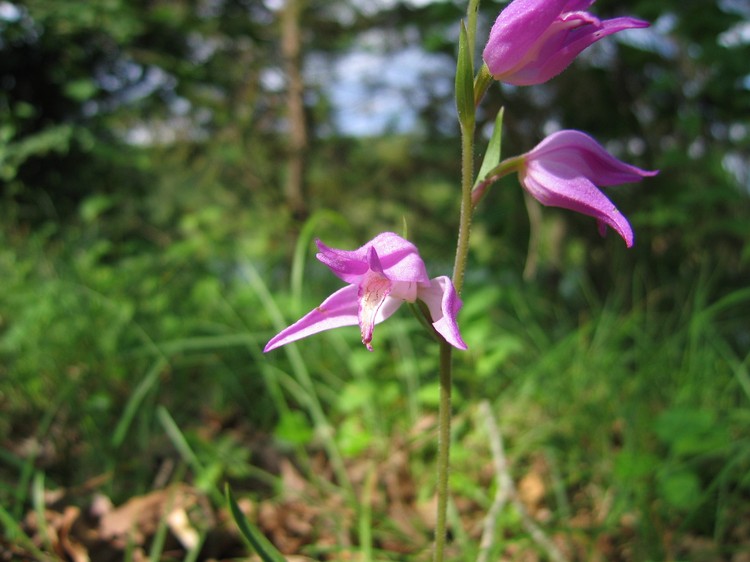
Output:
x,y
504,483
506,491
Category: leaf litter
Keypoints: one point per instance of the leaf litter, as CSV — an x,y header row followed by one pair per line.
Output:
x,y
308,515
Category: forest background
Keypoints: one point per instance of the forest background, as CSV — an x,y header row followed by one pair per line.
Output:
x,y
165,166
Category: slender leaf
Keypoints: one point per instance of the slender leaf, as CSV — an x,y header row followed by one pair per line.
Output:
x,y
465,81
131,408
261,544
494,148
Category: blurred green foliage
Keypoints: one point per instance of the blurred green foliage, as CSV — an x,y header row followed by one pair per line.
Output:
x,y
146,253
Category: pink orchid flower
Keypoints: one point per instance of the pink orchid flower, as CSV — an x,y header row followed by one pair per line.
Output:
x,y
535,40
565,169
381,275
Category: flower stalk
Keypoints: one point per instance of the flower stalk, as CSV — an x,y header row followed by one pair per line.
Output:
x,y
467,121
446,350
504,168
444,448
465,103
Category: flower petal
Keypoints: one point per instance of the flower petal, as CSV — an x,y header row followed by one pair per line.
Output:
x,y
577,5
516,31
564,41
443,303
555,49
340,309
560,185
399,259
533,41
581,152
348,265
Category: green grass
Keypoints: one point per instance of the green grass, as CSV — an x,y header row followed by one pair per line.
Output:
x,y
629,406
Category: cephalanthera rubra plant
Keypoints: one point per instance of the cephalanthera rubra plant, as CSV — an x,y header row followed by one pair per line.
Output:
x,y
531,42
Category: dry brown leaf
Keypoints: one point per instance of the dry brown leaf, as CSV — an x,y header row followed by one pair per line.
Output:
x,y
46,532
399,483
294,483
289,525
72,547
138,516
531,491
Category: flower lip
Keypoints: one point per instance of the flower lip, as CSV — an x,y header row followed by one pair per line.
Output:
x,y
374,288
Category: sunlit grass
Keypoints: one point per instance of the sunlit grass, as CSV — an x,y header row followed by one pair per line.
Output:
x,y
624,417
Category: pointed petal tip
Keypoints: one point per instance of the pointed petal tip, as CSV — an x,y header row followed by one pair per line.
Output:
x,y
636,23
277,341
272,344
460,345
623,229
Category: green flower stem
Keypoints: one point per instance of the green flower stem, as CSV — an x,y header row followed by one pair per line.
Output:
x,y
465,104
444,448
467,207
444,412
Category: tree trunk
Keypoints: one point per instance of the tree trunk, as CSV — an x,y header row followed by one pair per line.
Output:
x,y
291,46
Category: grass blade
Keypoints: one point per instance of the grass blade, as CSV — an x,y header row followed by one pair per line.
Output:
x,y
261,544
131,408
16,534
